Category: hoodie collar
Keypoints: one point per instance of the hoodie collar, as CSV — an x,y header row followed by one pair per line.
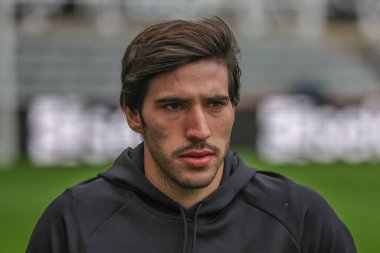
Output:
x,y
128,172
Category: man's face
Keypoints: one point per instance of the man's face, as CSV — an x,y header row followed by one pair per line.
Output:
x,y
188,119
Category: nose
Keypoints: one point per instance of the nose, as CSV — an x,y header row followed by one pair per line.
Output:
x,y
197,126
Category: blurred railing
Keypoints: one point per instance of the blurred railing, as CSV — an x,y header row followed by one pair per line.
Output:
x,y
69,47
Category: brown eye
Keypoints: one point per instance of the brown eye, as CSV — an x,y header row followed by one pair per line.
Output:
x,y
216,104
173,106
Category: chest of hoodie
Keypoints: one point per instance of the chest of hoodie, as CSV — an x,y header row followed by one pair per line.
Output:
x,y
143,226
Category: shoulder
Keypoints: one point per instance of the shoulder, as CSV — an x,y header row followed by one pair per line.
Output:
x,y
75,214
270,188
283,199
89,201
92,191
301,210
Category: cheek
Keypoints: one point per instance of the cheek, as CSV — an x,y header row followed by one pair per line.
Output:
x,y
154,133
223,127
161,134
154,126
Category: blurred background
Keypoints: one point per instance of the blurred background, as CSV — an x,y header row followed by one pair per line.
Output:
x,y
310,98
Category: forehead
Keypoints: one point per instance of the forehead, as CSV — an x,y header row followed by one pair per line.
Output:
x,y
205,77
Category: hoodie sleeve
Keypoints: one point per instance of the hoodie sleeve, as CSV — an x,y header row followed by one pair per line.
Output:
x,y
56,231
307,216
323,231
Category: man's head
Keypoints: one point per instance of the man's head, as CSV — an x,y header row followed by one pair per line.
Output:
x,y
166,46
180,89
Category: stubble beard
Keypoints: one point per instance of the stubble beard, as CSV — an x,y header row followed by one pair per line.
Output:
x,y
172,175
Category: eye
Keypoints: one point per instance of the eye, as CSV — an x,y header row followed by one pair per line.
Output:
x,y
173,106
216,104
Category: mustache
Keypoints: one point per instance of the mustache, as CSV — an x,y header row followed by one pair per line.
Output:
x,y
198,145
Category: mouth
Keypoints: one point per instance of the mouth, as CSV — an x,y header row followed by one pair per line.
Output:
x,y
197,158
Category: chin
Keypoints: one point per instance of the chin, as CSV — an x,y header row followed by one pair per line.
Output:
x,y
192,184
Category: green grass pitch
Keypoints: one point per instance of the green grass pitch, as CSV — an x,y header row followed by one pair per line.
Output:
x,y
352,190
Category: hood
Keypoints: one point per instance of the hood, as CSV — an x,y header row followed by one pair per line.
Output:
x,y
128,172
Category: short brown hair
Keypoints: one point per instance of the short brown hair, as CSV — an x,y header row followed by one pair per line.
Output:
x,y
166,46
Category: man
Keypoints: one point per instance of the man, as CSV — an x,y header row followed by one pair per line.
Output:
x,y
182,190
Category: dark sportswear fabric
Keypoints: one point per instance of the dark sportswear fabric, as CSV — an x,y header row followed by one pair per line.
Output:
x,y
120,211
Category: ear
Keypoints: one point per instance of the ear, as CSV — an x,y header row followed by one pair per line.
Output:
x,y
134,120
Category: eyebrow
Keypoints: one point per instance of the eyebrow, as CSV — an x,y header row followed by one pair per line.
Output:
x,y
171,100
184,100
218,98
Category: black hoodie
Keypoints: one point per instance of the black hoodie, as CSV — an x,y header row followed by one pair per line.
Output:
x,y
251,211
